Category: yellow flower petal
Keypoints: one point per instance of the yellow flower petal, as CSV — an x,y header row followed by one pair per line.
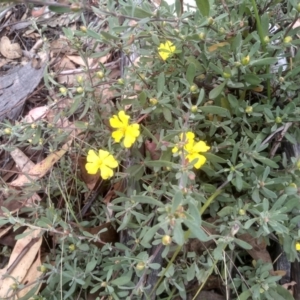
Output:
x,y
111,162
188,136
92,156
200,159
166,49
133,130
128,141
297,246
175,149
119,121
115,122
123,117
200,147
106,172
117,135
91,168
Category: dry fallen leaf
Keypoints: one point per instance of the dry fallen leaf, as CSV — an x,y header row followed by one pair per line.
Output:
x,y
36,113
9,50
21,259
79,61
41,168
215,47
63,65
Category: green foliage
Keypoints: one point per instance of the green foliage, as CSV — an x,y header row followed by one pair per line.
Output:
x,y
223,84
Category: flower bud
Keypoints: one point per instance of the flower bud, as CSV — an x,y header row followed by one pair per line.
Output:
x,y
281,79
242,212
210,21
249,110
72,248
194,108
193,88
43,269
121,81
7,131
83,29
100,74
153,101
266,39
202,36
298,7
278,120
166,240
79,79
63,91
140,266
245,60
226,75
222,30
293,185
287,39
80,90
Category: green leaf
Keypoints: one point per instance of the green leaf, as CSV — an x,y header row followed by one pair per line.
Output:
x,y
159,164
177,199
146,200
225,211
59,9
284,293
94,34
215,110
266,161
252,79
243,244
121,280
140,13
150,234
196,231
190,73
245,295
203,6
167,114
161,82
178,234
31,293
214,93
263,61
109,36
214,158
178,8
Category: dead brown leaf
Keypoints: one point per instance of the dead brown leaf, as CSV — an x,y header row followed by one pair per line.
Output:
x,y
108,236
79,61
36,113
151,147
65,64
9,50
20,262
42,168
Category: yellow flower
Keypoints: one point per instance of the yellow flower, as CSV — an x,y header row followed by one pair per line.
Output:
x,y
103,161
185,139
124,130
166,49
193,149
297,246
